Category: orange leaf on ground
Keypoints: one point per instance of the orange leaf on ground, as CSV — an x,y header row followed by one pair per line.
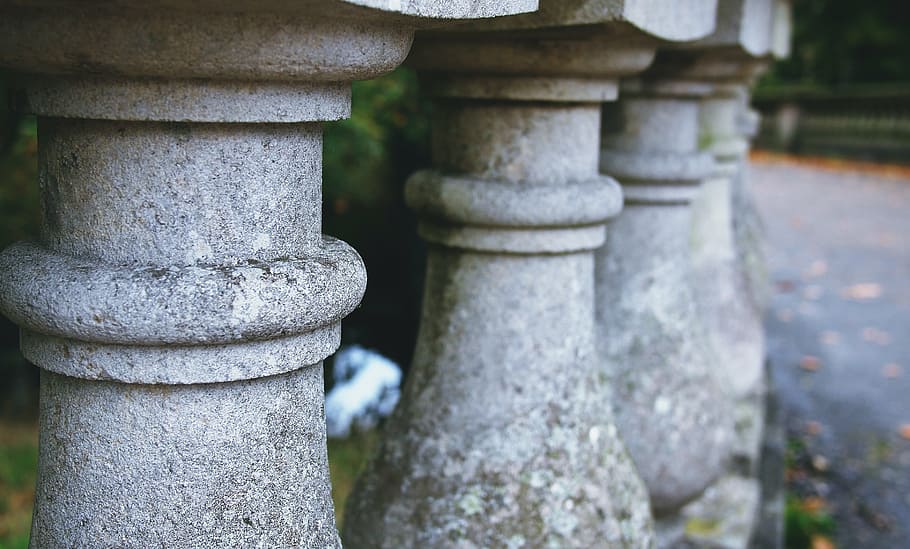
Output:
x,y
859,292
892,371
829,337
814,504
813,427
821,542
810,363
817,269
905,431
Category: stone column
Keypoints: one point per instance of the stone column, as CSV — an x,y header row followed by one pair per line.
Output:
x,y
670,405
500,439
181,297
504,436
733,320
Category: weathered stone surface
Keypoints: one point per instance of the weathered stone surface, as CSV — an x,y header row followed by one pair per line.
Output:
x,y
723,518
513,211
733,321
669,403
501,439
181,285
674,20
215,465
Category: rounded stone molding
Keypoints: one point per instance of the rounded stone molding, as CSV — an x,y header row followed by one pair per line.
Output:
x,y
170,100
461,199
69,297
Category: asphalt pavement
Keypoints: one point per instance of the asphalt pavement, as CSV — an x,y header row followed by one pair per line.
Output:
x,y
838,332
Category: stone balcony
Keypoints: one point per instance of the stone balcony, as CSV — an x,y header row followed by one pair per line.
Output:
x,y
588,368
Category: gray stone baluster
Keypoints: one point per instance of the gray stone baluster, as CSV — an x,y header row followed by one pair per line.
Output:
x,y
733,320
181,297
504,436
725,294
671,407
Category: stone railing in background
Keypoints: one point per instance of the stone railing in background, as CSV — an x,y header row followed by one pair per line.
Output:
x,y
862,122
181,298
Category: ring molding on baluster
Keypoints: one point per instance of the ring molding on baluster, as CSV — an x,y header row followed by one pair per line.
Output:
x,y
658,177
179,324
502,216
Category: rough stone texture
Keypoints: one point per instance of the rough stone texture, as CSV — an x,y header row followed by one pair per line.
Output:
x,y
723,518
180,247
217,465
669,403
734,323
504,437
676,20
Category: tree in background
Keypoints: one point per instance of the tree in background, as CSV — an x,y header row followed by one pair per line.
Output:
x,y
843,42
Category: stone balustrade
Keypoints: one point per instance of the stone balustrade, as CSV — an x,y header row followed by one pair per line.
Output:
x,y
588,371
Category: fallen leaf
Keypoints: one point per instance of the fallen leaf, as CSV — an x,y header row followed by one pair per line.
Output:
x,y
784,286
810,363
905,431
785,315
817,269
860,292
814,505
813,427
829,337
822,542
892,370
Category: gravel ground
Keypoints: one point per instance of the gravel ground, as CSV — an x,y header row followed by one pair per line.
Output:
x,y
838,327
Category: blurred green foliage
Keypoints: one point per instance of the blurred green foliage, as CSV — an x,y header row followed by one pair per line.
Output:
x,y
19,204
845,42
367,160
803,523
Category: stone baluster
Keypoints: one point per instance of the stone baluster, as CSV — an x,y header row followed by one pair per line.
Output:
x,y
731,58
747,223
181,297
671,407
725,61
504,436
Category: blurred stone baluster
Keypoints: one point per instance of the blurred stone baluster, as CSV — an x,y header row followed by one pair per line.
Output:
x,y
671,407
504,435
734,322
727,60
748,228
181,298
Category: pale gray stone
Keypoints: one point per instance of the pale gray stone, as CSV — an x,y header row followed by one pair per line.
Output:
x,y
675,20
670,404
217,465
733,320
504,435
181,297
723,518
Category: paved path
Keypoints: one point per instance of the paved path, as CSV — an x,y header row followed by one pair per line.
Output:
x,y
839,341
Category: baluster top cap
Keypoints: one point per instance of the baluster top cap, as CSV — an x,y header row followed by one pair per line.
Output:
x,y
674,20
756,27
